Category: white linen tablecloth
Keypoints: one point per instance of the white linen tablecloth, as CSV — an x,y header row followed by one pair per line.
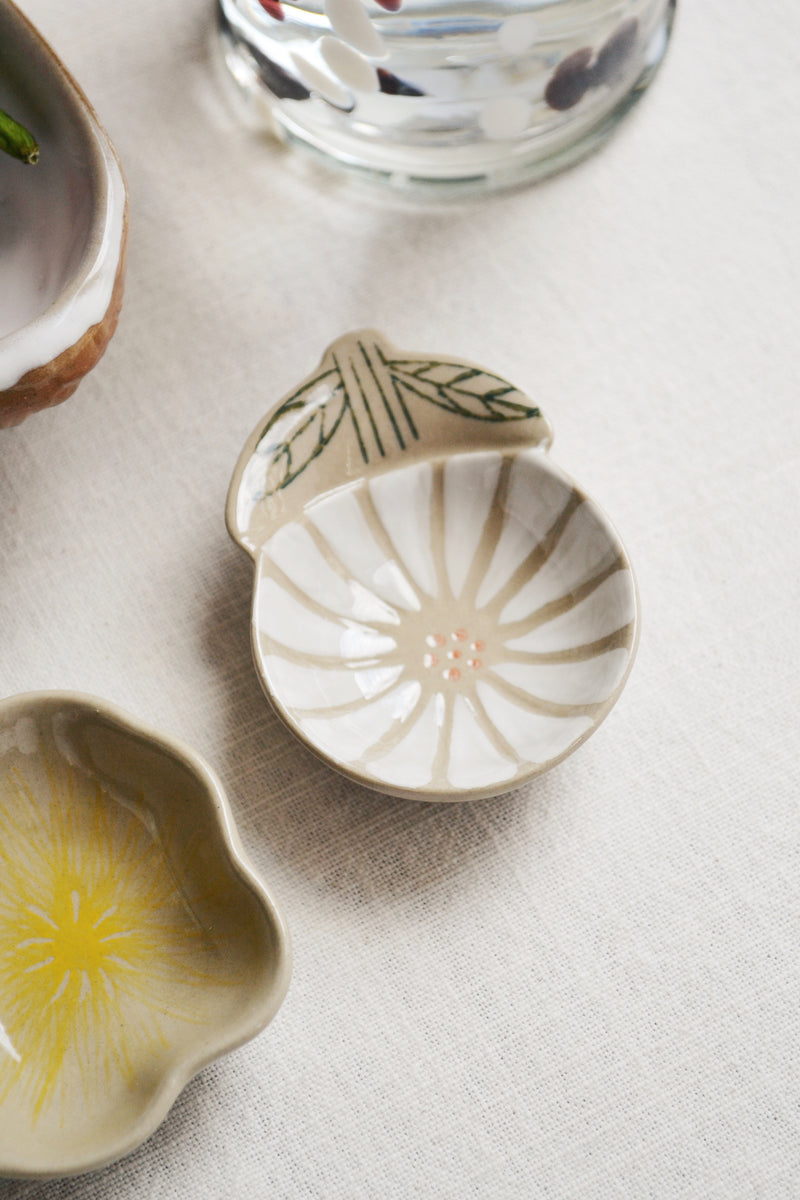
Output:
x,y
587,988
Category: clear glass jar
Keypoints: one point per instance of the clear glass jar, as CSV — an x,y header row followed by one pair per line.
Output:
x,y
444,93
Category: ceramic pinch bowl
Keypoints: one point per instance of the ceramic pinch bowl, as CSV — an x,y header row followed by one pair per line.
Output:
x,y
439,612
136,945
63,229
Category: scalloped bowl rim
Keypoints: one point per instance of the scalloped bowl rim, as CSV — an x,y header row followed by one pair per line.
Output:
x,y
175,1078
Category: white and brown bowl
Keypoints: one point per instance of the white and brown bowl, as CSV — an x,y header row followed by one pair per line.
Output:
x,y
63,231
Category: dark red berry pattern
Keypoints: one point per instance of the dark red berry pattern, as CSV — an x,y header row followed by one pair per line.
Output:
x,y
581,70
570,80
273,7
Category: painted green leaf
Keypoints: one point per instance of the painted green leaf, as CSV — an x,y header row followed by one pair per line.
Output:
x,y
466,391
360,380
301,428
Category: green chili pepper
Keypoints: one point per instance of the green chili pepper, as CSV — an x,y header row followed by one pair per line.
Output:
x,y
15,139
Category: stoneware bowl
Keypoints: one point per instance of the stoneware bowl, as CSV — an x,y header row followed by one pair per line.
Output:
x,y
62,233
136,945
439,611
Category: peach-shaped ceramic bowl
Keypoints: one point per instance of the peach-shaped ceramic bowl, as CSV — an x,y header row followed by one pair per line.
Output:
x,y
63,230
439,611
136,944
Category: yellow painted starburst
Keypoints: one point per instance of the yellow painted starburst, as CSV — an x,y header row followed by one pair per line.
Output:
x,y
100,952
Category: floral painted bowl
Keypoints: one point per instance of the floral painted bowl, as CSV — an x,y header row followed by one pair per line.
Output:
x,y
136,945
63,232
439,612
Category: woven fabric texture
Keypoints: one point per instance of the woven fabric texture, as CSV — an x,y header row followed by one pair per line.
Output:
x,y
587,988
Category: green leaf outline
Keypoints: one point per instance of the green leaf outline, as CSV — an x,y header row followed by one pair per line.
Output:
x,y
306,440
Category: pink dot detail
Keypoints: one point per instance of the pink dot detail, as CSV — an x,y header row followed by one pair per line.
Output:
x,y
478,645
459,635
452,674
454,654
474,663
430,660
436,639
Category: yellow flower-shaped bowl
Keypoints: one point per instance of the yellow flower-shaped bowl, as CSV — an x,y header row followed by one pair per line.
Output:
x,y
136,944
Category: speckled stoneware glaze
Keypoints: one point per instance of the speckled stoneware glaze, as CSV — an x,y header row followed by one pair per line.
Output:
x,y
136,945
63,230
439,611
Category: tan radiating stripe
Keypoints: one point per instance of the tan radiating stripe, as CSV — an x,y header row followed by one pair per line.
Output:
x,y
538,705
621,637
490,729
269,644
327,553
537,557
311,658
364,501
272,571
490,535
442,757
348,706
383,538
336,565
396,731
555,608
442,589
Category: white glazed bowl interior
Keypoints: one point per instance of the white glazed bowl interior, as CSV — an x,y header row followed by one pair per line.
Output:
x,y
448,629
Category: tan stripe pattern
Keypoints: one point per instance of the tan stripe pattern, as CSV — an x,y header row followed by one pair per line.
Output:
x,y
535,703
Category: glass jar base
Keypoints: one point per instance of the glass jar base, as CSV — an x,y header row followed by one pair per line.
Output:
x,y
429,162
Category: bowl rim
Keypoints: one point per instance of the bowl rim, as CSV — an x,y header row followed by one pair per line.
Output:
x,y
448,794
179,1073
107,228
